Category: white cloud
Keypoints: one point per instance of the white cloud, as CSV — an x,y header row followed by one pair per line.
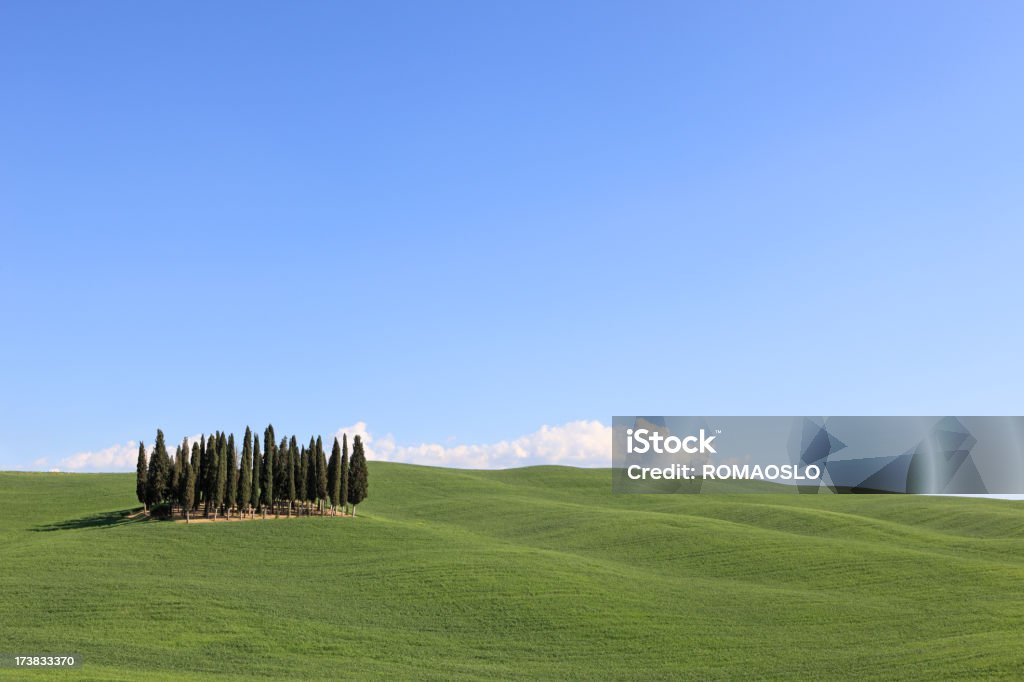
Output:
x,y
578,443
115,458
122,457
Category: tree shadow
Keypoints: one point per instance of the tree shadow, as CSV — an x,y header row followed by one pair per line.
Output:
x,y
122,517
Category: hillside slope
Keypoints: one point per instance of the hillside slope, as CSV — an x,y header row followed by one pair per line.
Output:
x,y
536,573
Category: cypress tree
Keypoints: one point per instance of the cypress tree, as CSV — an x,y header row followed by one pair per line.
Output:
x,y
311,472
201,474
196,464
321,474
173,481
343,474
245,476
280,463
210,481
141,475
333,472
231,495
166,492
257,472
156,476
267,481
270,450
357,475
293,465
221,480
209,485
280,466
188,499
301,491
183,471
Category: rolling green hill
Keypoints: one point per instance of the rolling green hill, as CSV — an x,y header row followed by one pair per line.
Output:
x,y
537,573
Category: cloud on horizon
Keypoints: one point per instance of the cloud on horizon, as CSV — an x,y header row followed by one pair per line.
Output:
x,y
579,443
120,457
115,458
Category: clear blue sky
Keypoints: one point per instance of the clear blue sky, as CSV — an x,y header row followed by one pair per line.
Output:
x,y
461,221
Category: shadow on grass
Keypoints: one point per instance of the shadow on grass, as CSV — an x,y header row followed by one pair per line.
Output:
x,y
102,520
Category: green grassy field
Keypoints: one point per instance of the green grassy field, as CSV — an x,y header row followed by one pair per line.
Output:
x,y
536,573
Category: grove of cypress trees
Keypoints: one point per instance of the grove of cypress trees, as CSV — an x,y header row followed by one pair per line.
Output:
x,y
211,472
357,475
141,475
245,476
343,474
231,494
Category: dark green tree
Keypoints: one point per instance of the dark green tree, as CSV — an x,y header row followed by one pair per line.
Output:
x,y
257,472
311,472
321,474
141,475
210,482
183,471
343,474
213,447
293,465
357,475
201,474
301,492
333,475
188,498
245,475
174,480
269,455
231,494
267,481
196,464
221,481
159,471
281,467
